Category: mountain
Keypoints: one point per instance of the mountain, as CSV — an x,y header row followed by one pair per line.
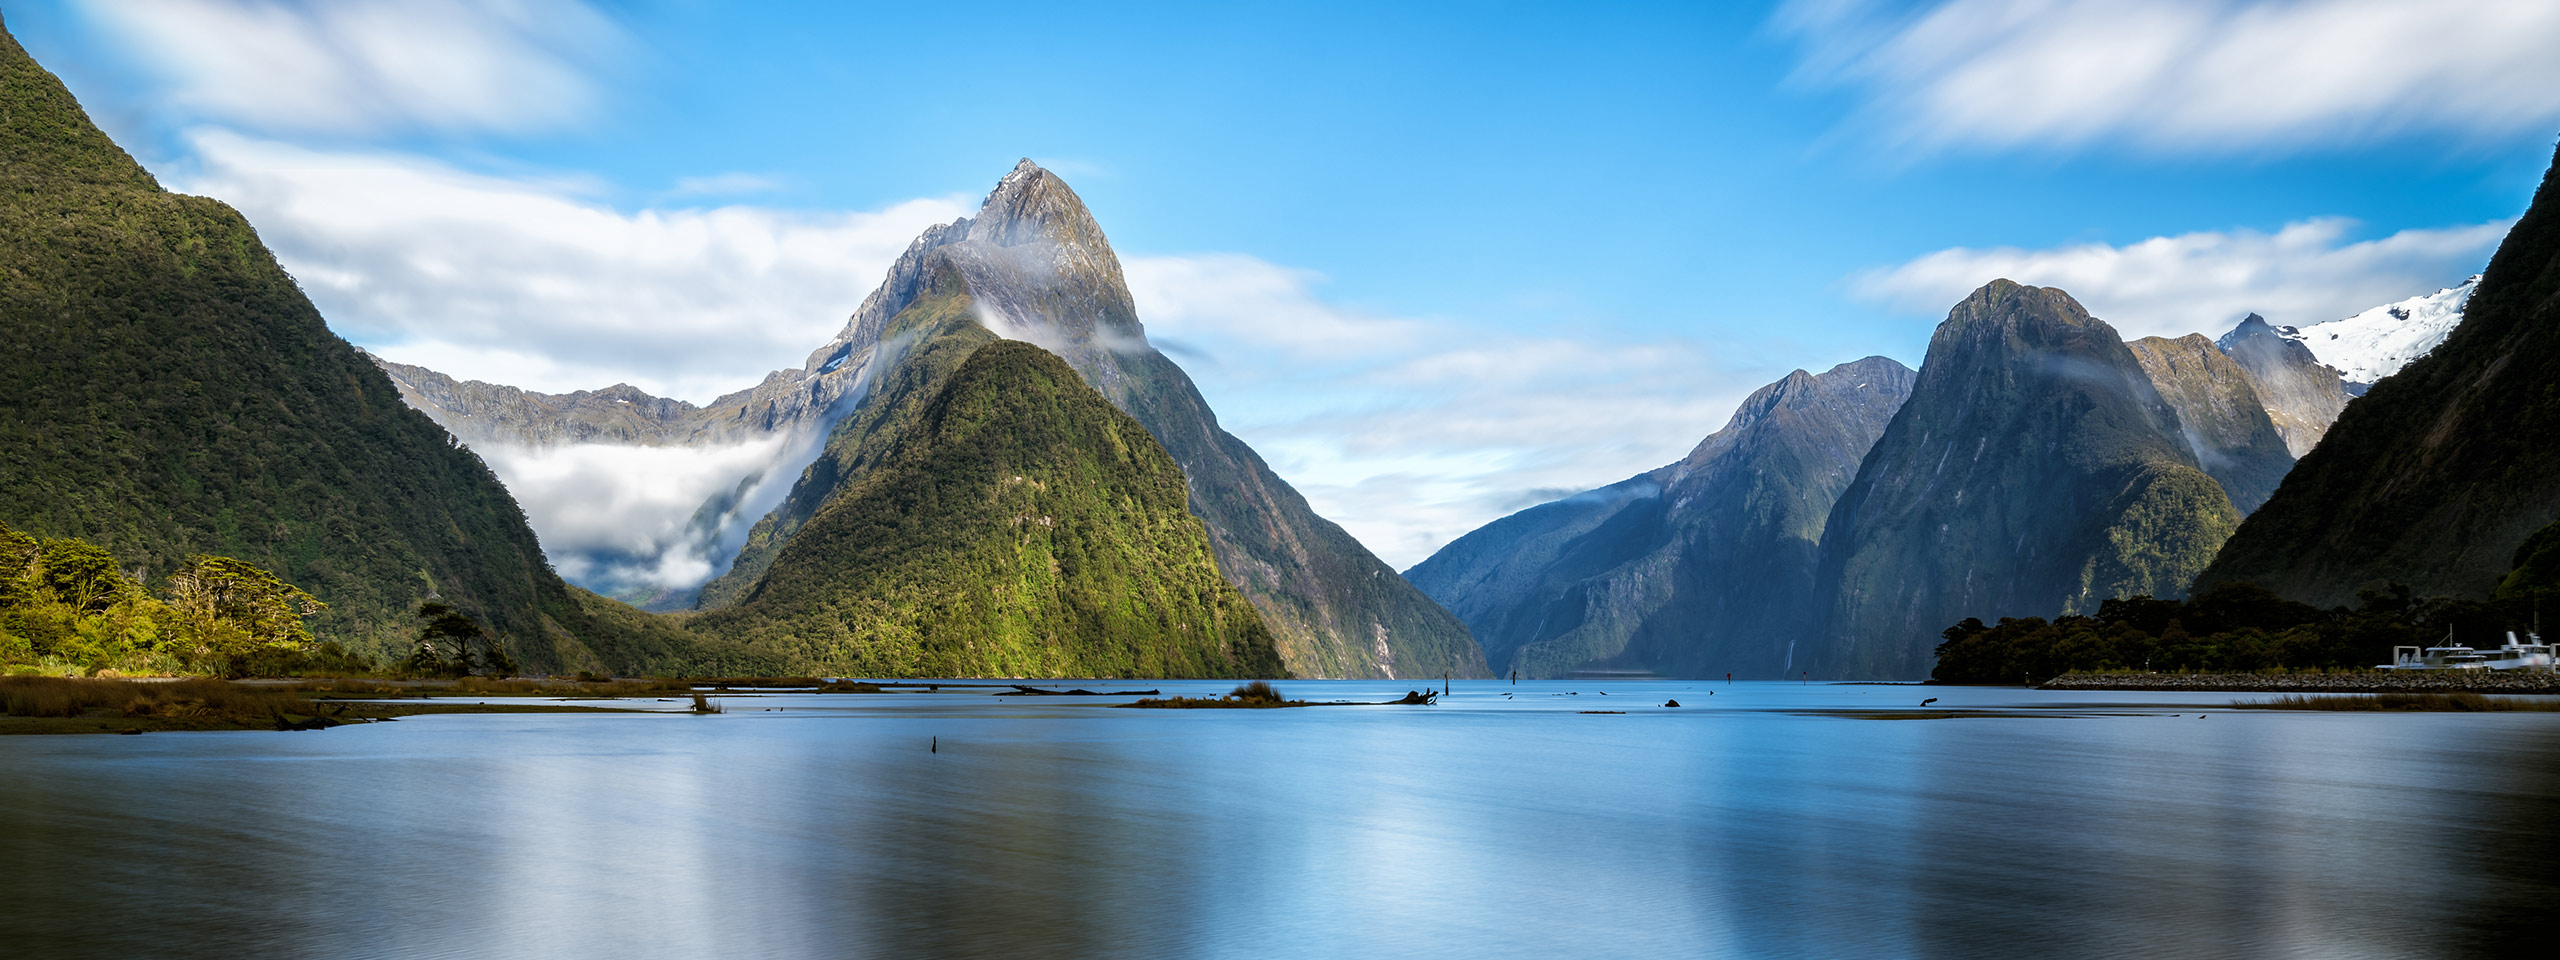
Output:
x,y
2034,470
2302,396
2376,343
1034,266
1690,570
1020,526
2222,418
169,391
2442,470
640,497
481,413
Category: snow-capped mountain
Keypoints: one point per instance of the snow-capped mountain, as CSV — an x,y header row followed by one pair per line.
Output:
x,y
2378,342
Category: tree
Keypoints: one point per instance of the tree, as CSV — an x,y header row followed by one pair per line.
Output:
x,y
222,610
444,643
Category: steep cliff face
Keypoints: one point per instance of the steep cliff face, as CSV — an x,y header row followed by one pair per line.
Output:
x,y
168,390
2435,476
2035,470
1034,266
1019,526
2302,395
2225,423
1700,568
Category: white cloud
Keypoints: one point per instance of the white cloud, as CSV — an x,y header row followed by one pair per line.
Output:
x,y
1254,301
2204,282
2186,75
723,185
360,66
1411,432
532,284
613,516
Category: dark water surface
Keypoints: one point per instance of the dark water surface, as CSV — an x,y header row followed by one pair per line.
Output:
x,y
1756,821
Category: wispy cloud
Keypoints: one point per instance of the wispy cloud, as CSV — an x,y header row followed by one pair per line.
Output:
x,y
2184,75
1412,431
2305,273
369,66
535,284
723,185
1254,302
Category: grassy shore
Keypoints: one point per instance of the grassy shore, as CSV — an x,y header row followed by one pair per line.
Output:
x,y
80,705
2457,702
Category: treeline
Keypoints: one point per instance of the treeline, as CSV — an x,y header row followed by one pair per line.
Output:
x,y
66,606
2242,627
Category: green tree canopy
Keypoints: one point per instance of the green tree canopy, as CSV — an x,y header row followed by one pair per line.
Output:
x,y
227,609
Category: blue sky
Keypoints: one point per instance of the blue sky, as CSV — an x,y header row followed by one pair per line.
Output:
x,y
1435,261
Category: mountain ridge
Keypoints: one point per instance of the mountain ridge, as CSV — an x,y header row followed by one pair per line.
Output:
x,y
1686,569
2437,474
2088,492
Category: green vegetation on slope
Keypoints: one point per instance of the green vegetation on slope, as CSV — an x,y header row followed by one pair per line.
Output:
x,y
170,392
927,342
66,607
1035,260
2536,563
2434,476
1017,524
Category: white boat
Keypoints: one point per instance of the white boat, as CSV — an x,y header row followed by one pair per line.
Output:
x,y
2528,654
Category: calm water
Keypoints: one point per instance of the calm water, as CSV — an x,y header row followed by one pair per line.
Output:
x,y
1748,823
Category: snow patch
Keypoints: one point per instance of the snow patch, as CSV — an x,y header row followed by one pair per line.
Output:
x,y
2378,342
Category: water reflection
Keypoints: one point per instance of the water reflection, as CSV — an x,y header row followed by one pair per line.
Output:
x,y
1754,823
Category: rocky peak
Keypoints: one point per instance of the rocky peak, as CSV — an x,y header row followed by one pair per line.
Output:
x,y
1031,205
2302,395
2250,327
2008,308
1873,381
1033,260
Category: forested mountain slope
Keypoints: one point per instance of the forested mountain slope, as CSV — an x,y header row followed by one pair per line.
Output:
x,y
169,391
1018,526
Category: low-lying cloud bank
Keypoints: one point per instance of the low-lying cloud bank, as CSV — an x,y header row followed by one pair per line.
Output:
x,y
613,518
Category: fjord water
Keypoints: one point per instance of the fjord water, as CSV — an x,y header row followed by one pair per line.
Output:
x,y
1762,819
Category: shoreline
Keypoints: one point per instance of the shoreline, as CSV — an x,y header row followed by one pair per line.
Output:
x,y
2377,682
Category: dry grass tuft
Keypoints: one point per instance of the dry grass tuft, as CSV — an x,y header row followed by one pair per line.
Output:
x,y
2458,702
